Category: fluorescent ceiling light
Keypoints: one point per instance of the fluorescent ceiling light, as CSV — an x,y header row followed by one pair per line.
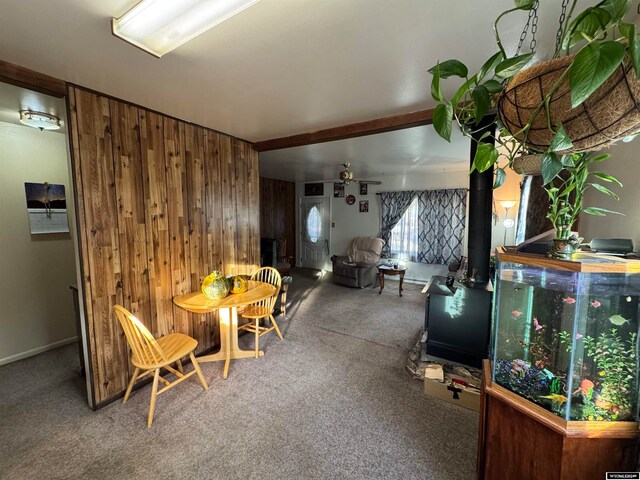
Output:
x,y
41,120
159,26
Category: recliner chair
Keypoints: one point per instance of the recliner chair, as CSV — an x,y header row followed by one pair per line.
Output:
x,y
359,267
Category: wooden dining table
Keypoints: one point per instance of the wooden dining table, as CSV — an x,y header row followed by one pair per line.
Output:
x,y
228,306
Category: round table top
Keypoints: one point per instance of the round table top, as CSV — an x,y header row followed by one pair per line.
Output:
x,y
196,302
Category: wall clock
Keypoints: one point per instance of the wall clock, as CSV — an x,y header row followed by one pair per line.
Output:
x,y
351,199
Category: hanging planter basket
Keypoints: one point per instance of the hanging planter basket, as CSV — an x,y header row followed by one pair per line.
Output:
x,y
611,112
527,165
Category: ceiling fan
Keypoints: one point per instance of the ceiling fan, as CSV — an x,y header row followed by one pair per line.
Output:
x,y
346,177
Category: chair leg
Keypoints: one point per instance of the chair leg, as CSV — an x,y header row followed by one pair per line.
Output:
x,y
179,365
257,335
130,387
273,320
283,303
154,393
196,365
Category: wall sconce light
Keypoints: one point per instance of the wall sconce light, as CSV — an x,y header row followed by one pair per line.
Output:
x,y
41,120
507,223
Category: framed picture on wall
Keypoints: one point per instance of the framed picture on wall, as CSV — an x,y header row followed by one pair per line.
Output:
x,y
338,190
364,206
313,189
364,189
47,207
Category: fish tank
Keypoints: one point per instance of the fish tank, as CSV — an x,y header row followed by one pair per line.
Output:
x,y
565,334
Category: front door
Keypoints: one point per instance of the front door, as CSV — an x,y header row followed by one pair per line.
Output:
x,y
314,235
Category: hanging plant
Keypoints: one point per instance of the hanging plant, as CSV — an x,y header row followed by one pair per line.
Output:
x,y
584,98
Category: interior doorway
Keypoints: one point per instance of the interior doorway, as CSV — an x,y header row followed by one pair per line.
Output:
x,y
39,244
314,233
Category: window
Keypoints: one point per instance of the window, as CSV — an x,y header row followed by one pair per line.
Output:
x,y
314,225
404,236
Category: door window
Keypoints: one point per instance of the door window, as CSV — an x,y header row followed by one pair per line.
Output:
x,y
314,225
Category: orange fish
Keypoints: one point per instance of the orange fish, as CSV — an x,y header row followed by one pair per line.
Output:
x,y
537,324
586,388
569,300
595,304
516,313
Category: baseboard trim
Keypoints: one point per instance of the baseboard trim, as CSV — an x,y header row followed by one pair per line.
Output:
x,y
36,351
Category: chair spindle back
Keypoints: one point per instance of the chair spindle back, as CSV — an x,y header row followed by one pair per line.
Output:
x,y
272,276
144,347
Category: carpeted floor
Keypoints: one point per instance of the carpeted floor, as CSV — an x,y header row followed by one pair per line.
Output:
x,y
331,401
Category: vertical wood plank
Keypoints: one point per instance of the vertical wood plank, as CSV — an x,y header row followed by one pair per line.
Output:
x,y
195,156
101,234
178,218
156,221
228,178
82,238
253,208
130,195
214,212
241,180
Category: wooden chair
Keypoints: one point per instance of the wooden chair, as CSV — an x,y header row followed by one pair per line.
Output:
x,y
264,308
150,355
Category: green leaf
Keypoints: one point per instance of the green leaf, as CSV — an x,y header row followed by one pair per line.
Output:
x,y
450,68
509,67
442,120
501,176
599,158
524,4
607,178
551,167
616,8
605,190
568,160
486,156
464,88
629,31
599,212
570,188
436,92
481,100
493,86
589,22
560,141
489,65
591,67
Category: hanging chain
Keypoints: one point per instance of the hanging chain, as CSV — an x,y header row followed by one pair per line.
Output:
x,y
534,26
562,19
532,18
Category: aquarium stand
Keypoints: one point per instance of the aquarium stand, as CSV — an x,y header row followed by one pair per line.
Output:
x,y
519,439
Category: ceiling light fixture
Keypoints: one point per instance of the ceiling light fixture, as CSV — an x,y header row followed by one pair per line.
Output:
x,y
41,120
159,26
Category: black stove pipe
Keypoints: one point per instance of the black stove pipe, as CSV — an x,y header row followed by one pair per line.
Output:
x,y
480,207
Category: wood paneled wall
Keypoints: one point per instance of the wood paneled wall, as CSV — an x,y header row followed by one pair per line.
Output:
x,y
278,211
161,203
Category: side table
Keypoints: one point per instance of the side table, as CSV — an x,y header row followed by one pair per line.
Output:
x,y
383,270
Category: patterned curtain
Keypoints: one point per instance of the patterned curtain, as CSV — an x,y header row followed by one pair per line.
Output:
x,y
394,204
442,215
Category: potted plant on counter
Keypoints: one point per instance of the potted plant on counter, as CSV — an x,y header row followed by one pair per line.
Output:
x,y
582,99
566,194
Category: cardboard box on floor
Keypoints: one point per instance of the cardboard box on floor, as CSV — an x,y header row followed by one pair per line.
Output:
x,y
450,390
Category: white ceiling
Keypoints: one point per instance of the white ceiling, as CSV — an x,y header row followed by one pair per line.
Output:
x,y
405,152
279,68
